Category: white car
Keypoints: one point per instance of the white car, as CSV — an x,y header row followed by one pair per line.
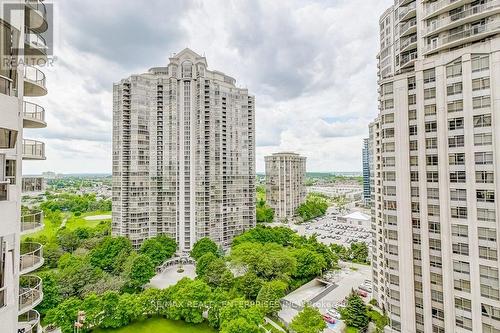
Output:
x,y
333,313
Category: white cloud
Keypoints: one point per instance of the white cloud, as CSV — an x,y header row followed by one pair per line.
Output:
x,y
311,65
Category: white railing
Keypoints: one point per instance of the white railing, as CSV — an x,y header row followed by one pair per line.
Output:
x,y
434,7
33,149
407,58
408,41
37,5
34,111
462,15
407,9
34,75
477,30
35,40
31,257
411,23
30,292
29,322
31,221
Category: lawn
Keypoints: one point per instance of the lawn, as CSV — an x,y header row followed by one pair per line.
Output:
x,y
351,329
72,223
159,325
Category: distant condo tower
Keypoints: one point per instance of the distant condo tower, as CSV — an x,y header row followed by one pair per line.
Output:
x,y
285,188
183,154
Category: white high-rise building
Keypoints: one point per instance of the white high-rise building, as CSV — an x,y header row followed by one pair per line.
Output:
x,y
436,158
183,154
285,183
21,26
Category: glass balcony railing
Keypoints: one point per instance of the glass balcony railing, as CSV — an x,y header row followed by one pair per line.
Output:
x,y
30,292
29,322
475,32
31,222
406,59
35,44
34,115
471,13
33,150
31,257
36,15
438,6
34,82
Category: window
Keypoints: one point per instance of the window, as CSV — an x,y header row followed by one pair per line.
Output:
x,y
456,141
413,160
432,177
485,177
461,267
412,129
429,75
412,114
432,193
456,106
412,99
411,83
455,88
485,196
483,120
481,83
434,244
430,109
457,177
483,158
461,248
487,234
388,118
463,304
413,145
454,69
429,93
433,210
462,285
7,138
459,212
388,104
459,230
488,253
456,159
480,63
456,123
481,102
431,143
434,227
414,176
388,133
431,160
486,215
490,311
464,322
436,261
483,139
430,126
387,88
458,194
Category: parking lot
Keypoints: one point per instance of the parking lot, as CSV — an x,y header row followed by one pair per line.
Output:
x,y
330,231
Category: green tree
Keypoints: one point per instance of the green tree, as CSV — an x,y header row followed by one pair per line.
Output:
x,y
111,254
74,274
270,295
264,234
139,269
64,315
239,313
218,275
359,252
309,263
67,239
240,325
341,251
189,301
203,246
51,253
309,320
264,212
249,285
51,292
159,248
203,263
354,314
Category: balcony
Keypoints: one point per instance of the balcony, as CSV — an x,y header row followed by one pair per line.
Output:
x,y
33,116
467,16
408,60
35,16
33,184
33,150
441,6
29,322
30,292
31,257
409,43
34,82
35,46
408,28
466,36
408,12
31,222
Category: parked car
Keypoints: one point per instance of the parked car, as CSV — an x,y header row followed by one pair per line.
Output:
x,y
329,319
365,288
333,313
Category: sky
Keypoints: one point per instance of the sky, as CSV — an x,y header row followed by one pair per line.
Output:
x,y
310,64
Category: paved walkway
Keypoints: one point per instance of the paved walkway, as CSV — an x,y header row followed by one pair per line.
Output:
x,y
169,277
